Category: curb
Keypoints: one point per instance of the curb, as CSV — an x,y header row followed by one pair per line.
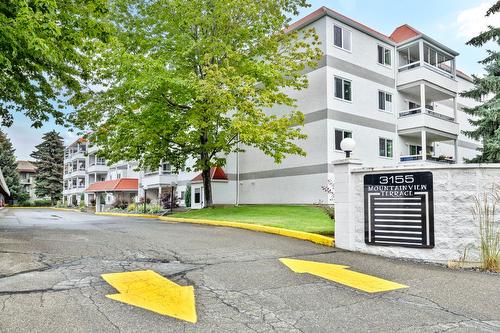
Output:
x,y
147,216
307,236
315,238
53,208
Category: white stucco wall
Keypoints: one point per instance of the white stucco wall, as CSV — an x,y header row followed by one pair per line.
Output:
x,y
454,227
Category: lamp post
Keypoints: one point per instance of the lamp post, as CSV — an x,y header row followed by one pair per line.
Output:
x,y
347,145
145,198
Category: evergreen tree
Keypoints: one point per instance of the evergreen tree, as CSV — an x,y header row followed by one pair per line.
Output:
x,y
49,160
486,117
8,165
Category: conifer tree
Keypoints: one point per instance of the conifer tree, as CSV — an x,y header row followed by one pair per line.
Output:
x,y
486,116
8,165
49,160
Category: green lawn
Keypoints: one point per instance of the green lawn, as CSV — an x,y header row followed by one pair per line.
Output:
x,y
302,218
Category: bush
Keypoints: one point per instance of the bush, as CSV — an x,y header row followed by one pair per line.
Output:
x,y
484,211
131,207
120,204
42,203
187,196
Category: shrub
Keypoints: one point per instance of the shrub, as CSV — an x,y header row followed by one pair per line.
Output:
x,y
484,211
141,200
132,207
187,196
120,204
42,203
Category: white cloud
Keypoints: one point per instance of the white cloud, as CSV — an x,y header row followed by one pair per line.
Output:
x,y
470,22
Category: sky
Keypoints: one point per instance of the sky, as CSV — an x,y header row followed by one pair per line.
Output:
x,y
451,22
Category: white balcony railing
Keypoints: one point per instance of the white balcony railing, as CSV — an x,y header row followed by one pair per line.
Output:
x,y
415,111
429,158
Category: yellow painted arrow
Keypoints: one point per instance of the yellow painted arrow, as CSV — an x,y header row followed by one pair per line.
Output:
x,y
342,275
151,291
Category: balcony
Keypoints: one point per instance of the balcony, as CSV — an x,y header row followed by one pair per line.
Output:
x,y
97,168
421,61
416,120
152,180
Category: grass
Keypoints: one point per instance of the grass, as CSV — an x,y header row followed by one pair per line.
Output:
x,y
302,218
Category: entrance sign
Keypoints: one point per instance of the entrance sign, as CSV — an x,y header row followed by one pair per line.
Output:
x,y
399,209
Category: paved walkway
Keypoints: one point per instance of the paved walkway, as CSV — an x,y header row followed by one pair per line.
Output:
x,y
51,264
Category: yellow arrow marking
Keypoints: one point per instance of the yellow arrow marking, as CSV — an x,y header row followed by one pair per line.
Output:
x,y
342,275
151,291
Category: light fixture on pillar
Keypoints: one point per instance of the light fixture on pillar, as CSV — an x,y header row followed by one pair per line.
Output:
x,y
347,145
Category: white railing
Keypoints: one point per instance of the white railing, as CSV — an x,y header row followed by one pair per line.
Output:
x,y
414,111
438,159
409,66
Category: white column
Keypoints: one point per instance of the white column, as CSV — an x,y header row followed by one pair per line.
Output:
x,y
422,97
424,145
421,52
97,202
345,222
456,150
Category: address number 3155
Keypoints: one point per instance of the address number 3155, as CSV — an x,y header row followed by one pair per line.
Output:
x,y
406,179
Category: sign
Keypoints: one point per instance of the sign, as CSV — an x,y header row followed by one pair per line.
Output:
x,y
399,209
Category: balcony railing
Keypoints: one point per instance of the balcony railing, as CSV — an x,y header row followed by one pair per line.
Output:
x,y
432,113
438,159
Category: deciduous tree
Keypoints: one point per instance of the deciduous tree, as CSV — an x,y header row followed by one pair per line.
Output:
x,y
49,160
45,46
191,79
486,116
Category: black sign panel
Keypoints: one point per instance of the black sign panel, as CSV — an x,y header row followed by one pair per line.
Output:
x,y
399,209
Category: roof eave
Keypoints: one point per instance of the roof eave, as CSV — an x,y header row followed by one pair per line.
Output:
x,y
431,41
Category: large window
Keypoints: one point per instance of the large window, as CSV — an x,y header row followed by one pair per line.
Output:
x,y
166,168
415,150
339,136
384,55
342,37
384,101
343,89
385,147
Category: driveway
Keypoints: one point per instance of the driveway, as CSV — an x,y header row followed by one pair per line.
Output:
x,y
51,264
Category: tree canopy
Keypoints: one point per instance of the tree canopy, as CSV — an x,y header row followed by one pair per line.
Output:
x,y
49,161
486,116
45,47
190,79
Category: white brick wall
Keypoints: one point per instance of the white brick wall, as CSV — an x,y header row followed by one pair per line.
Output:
x,y
454,227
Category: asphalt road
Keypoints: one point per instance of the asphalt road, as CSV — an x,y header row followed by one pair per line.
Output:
x,y
51,264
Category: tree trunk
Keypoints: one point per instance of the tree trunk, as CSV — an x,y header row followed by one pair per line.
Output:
x,y
207,188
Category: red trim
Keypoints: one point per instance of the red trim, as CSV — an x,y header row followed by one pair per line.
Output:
x,y
216,173
122,184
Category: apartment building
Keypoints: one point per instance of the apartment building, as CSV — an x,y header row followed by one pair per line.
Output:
x,y
27,171
87,176
396,96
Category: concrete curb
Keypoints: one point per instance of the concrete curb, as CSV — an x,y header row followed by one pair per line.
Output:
x,y
147,216
53,208
315,238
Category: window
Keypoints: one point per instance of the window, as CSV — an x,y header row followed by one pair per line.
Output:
x,y
343,89
384,101
342,38
384,55
197,195
339,136
183,193
166,168
385,147
415,150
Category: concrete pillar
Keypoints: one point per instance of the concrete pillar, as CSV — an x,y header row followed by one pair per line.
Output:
x,y
424,145
455,142
344,203
97,202
421,52
422,97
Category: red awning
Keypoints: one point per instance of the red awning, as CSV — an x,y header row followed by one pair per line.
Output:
x,y
216,173
116,185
